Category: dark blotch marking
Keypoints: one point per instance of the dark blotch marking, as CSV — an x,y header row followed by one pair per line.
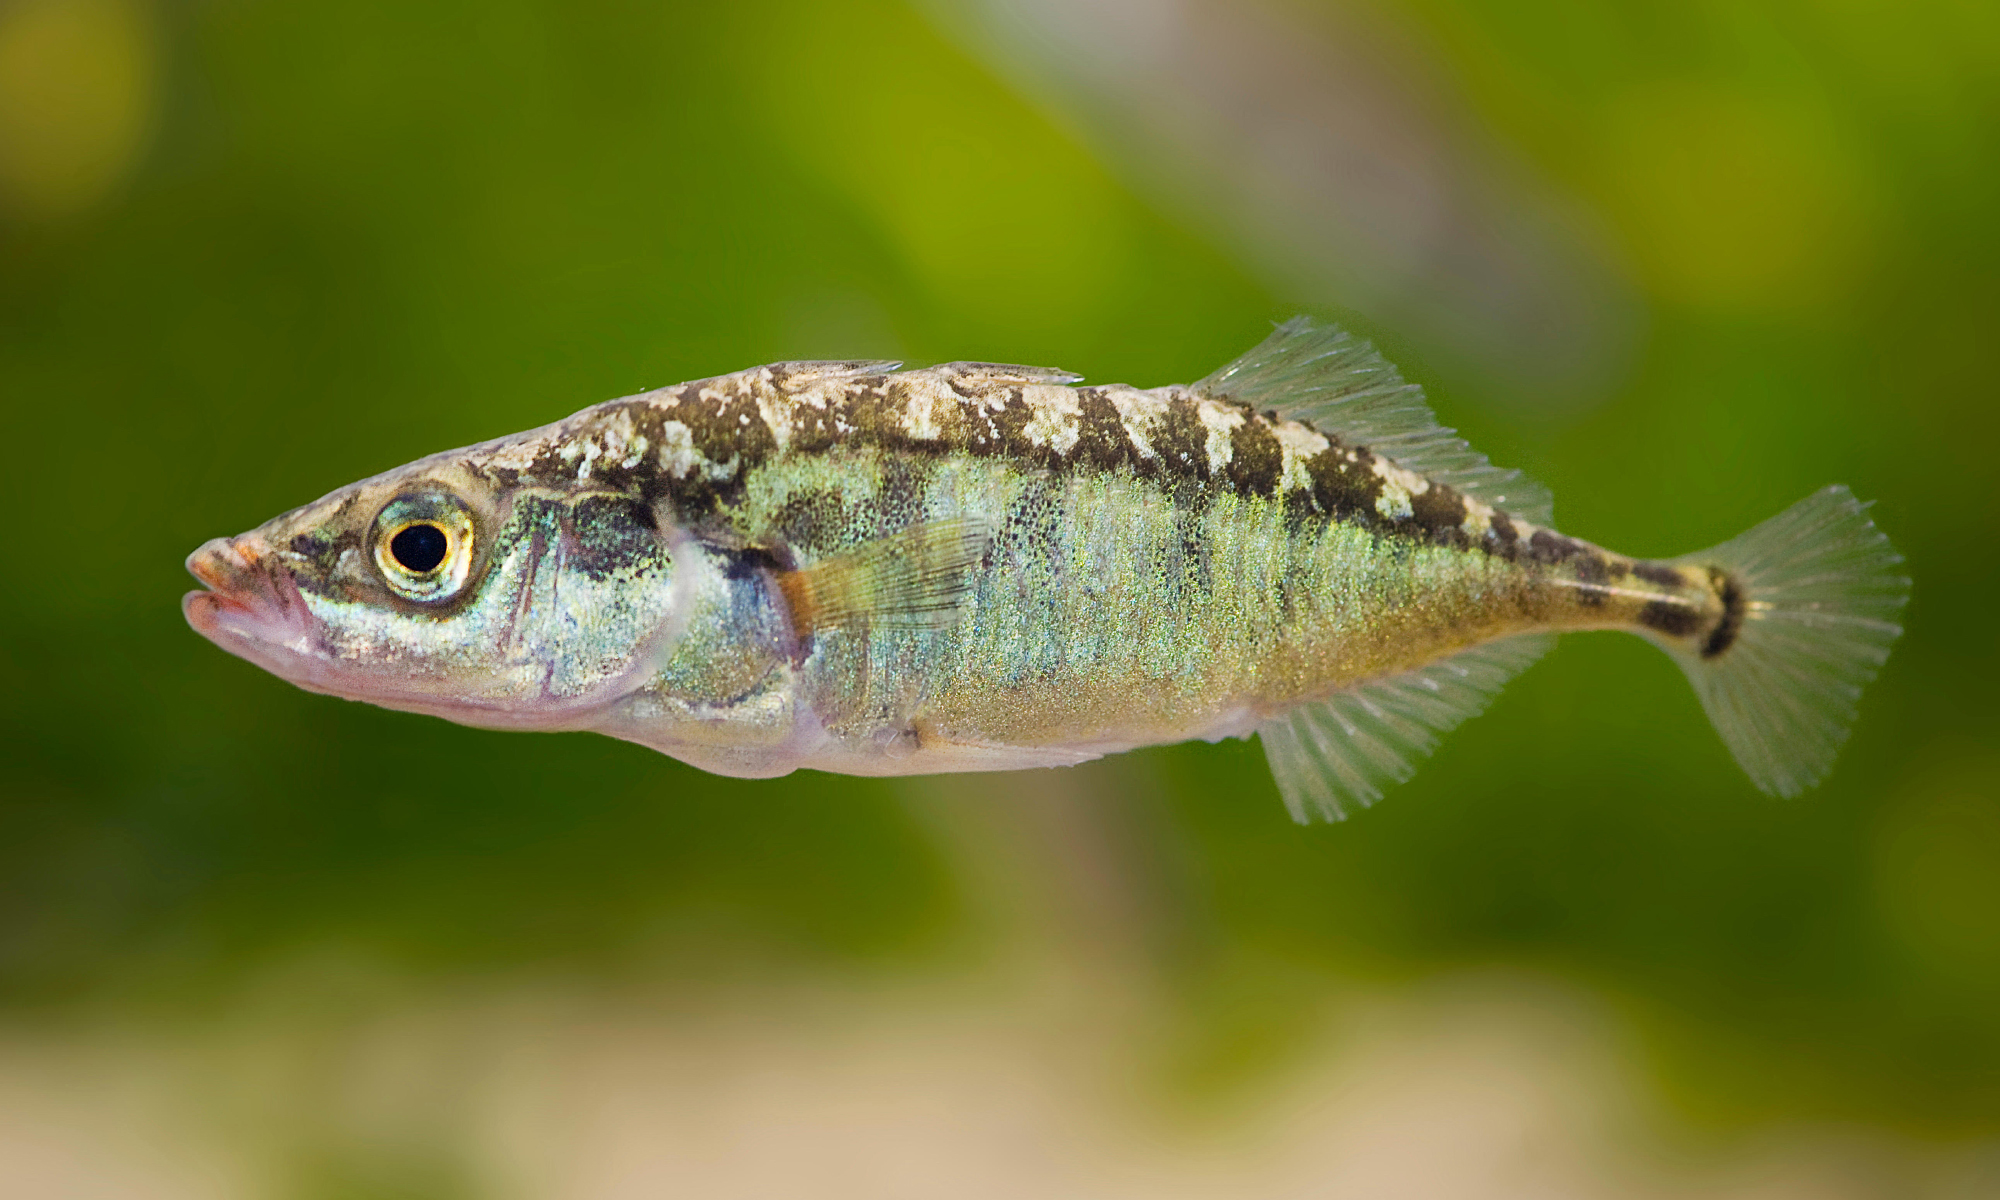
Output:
x,y
813,519
1658,573
1551,548
1101,441
698,501
1034,523
899,502
750,561
1505,540
1191,502
1727,629
877,416
1256,460
1301,512
612,535
1593,572
1181,440
1012,423
321,550
1440,513
1670,617
1031,543
813,429
1347,490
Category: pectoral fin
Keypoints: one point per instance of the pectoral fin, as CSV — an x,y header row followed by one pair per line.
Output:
x,y
916,579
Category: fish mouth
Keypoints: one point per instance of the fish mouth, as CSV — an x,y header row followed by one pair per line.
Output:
x,y
246,597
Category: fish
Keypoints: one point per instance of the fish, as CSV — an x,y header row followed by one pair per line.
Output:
x,y
852,567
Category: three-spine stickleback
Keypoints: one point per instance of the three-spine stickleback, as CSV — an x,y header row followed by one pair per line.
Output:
x,y
854,568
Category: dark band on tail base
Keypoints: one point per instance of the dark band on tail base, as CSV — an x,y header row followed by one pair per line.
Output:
x,y
1675,618
1726,630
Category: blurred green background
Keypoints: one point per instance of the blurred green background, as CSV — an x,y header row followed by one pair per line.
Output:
x,y
1683,262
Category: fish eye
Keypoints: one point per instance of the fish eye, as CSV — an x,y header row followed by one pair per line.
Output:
x,y
420,548
423,545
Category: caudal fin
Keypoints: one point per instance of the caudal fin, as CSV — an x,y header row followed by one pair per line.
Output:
x,y
1813,597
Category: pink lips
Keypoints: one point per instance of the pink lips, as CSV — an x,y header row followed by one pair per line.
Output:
x,y
253,610
245,595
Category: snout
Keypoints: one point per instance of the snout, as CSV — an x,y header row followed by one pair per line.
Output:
x,y
245,595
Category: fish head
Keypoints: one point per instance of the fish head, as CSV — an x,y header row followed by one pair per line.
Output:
x,y
451,588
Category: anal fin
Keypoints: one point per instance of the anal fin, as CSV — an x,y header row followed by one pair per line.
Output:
x,y
1334,755
917,578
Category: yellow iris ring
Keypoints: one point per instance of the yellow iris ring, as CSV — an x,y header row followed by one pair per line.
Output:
x,y
443,513
389,541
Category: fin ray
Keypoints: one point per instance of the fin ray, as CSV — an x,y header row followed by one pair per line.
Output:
x,y
916,578
1336,382
1338,754
1821,590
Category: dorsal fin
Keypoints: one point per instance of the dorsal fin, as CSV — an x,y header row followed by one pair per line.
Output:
x,y
1338,754
1336,382
916,578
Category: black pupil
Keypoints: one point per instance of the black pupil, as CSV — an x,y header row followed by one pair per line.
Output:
x,y
419,548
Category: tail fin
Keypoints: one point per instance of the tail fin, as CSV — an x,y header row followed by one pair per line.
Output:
x,y
1813,596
